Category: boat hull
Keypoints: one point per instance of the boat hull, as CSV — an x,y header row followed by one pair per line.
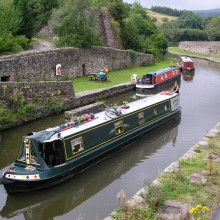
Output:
x,y
15,186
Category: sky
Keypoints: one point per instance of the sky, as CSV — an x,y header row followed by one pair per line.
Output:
x,y
181,4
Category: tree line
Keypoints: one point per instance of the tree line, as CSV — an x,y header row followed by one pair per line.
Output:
x,y
168,11
76,23
192,27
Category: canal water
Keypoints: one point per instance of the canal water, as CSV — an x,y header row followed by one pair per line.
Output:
x,y
92,194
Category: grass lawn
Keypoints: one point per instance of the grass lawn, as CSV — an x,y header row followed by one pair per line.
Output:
x,y
180,51
83,83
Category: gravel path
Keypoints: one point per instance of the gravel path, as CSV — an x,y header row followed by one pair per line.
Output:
x,y
43,45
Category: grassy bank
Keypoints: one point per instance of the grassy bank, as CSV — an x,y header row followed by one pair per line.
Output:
x,y
202,55
204,198
83,83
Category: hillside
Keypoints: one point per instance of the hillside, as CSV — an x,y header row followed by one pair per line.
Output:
x,y
159,17
207,13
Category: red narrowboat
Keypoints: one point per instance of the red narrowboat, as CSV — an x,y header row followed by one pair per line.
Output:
x,y
158,78
186,63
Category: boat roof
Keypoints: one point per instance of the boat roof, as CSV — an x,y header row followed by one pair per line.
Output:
x,y
186,59
161,71
55,133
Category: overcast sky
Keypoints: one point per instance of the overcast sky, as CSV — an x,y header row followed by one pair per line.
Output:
x,y
181,4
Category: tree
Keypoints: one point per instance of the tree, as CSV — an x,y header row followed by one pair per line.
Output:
x,y
119,10
76,25
27,20
9,18
212,29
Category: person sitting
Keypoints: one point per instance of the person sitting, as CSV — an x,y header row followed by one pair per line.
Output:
x,y
101,75
175,88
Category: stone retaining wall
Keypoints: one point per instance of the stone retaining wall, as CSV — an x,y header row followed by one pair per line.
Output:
x,y
212,47
40,66
37,89
93,108
77,100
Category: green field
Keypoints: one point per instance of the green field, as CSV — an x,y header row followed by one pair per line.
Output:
x,y
83,83
159,17
180,51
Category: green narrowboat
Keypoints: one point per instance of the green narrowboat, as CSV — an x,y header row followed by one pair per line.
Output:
x,y
56,154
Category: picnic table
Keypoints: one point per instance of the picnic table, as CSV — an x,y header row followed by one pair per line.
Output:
x,y
95,76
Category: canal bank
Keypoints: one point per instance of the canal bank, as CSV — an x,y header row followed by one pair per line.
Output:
x,y
208,57
69,102
190,173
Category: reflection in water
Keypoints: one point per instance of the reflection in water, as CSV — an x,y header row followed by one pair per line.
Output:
x,y
61,199
188,75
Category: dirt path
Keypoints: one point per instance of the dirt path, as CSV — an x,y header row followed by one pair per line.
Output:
x,y
43,45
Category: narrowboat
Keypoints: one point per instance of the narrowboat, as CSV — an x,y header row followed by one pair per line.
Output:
x,y
186,63
158,79
56,154
76,191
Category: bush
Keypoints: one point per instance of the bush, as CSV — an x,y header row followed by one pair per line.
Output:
x,y
165,19
10,43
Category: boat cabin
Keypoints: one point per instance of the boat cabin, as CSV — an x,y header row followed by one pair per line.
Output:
x,y
153,79
186,63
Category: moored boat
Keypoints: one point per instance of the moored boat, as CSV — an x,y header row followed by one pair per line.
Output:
x,y
186,63
56,154
158,79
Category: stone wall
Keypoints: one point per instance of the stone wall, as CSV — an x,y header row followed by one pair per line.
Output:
x,y
37,89
212,47
92,108
71,101
106,27
38,66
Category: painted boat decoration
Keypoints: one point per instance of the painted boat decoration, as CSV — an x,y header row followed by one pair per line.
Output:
x,y
56,154
186,63
159,78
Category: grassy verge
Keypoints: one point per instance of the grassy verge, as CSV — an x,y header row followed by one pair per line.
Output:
x,y
175,186
83,83
180,51
44,38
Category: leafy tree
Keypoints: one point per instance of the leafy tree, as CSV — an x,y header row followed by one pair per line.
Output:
x,y
119,10
76,25
139,33
9,24
9,18
27,20
213,29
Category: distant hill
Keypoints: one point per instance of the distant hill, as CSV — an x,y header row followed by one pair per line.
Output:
x,y
207,13
159,17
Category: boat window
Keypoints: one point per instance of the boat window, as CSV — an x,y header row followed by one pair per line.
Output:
x,y
22,153
176,71
52,153
119,127
165,75
34,159
161,77
173,72
165,107
77,145
155,111
141,118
